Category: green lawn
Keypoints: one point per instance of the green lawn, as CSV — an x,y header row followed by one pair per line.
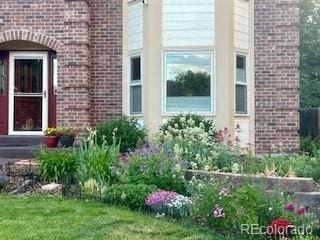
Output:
x,y
60,219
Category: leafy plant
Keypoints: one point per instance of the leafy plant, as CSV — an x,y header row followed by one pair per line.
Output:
x,y
228,208
128,195
58,165
156,169
98,162
310,146
187,120
125,132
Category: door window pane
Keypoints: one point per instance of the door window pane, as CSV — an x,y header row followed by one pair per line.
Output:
x,y
135,101
188,82
27,113
241,99
28,76
3,76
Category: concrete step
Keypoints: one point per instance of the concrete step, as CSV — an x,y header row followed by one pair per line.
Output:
x,y
15,141
18,152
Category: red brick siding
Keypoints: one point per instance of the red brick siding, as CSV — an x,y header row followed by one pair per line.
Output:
x,y
277,74
106,59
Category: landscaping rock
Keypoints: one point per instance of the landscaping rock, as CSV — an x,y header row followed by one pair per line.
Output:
x,y
286,185
310,199
52,187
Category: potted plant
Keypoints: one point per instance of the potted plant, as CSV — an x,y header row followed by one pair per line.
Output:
x,y
67,136
51,137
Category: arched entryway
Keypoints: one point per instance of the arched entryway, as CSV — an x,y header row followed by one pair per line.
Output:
x,y
27,83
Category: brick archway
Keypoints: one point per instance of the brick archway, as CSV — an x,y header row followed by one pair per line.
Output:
x,y
26,35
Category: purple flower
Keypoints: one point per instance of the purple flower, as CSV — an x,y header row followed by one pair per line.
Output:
x,y
301,211
146,150
290,207
218,212
160,198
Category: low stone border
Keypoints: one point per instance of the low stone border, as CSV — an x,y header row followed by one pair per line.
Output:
x,y
287,185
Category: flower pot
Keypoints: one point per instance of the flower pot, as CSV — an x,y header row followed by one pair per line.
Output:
x,y
51,141
66,141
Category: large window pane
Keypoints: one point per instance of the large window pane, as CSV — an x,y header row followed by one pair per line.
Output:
x,y
241,99
241,69
135,101
188,82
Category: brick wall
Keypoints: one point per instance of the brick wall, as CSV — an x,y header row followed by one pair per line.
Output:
x,y
88,48
277,74
106,59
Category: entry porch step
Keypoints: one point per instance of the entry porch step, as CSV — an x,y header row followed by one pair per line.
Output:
x,y
20,141
18,152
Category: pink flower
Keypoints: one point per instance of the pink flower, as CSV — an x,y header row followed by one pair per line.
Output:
x,y
290,207
160,198
301,211
218,212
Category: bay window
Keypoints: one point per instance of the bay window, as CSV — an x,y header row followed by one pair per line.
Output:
x,y
188,82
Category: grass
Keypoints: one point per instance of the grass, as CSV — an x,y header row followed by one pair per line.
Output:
x,y
36,218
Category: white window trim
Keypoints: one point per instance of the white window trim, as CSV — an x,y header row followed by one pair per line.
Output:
x,y
138,83
213,81
246,55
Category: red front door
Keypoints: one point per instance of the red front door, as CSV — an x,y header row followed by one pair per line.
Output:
x,y
4,70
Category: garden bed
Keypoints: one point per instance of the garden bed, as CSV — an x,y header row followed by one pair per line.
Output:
x,y
283,184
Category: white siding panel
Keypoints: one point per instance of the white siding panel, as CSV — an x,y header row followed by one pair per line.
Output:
x,y
244,131
135,26
241,22
188,23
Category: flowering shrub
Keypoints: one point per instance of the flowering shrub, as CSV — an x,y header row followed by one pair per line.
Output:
x,y
128,195
169,203
191,141
154,167
123,131
179,206
227,209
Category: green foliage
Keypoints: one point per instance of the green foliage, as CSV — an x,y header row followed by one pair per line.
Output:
x,y
190,138
128,195
183,121
57,165
285,166
98,161
226,158
310,53
123,131
156,169
248,204
310,146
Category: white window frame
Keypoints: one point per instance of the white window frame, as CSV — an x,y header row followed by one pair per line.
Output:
x,y
247,83
137,83
212,111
